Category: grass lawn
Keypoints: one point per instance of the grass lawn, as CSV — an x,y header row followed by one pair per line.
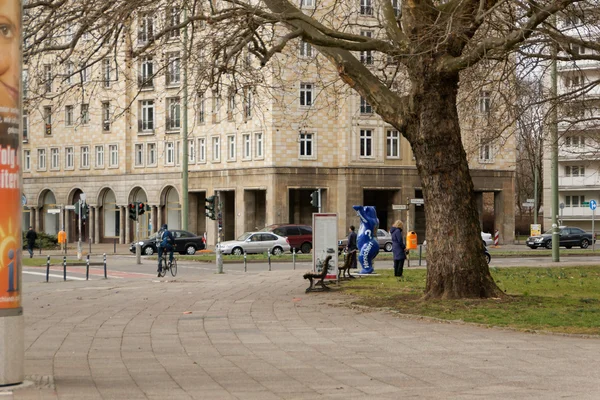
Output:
x,y
551,299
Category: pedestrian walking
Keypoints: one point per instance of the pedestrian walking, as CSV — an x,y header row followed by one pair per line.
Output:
x,y
352,246
62,238
31,237
398,248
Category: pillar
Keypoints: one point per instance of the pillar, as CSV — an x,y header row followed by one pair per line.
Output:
x,y
159,219
32,218
122,222
154,216
128,236
479,201
97,224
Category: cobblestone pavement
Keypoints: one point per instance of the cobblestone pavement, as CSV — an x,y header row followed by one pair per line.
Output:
x,y
259,336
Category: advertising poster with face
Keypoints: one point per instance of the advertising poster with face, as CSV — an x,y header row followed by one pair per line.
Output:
x,y
10,174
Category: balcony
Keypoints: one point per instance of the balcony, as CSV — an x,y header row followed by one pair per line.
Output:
x,y
577,212
590,181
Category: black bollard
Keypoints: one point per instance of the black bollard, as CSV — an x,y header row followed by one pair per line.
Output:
x,y
420,253
87,267
105,266
90,252
47,269
245,263
269,257
65,268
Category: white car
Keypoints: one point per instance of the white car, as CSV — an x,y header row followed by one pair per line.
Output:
x,y
487,238
256,242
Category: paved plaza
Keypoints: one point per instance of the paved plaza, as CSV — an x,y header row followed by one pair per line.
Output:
x,y
257,335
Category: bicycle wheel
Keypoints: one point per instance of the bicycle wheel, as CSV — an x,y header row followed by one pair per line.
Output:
x,y
163,270
174,267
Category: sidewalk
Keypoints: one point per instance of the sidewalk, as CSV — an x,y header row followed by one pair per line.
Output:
x,y
259,336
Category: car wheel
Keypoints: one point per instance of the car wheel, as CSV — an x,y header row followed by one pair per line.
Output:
x,y
277,251
237,251
585,243
549,244
488,257
532,247
305,248
190,250
387,247
148,250
568,247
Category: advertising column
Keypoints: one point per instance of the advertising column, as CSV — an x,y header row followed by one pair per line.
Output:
x,y
11,313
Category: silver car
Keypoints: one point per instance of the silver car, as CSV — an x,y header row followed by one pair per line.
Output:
x,y
256,242
384,238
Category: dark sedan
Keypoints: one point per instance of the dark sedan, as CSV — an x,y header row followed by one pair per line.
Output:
x,y
185,243
569,237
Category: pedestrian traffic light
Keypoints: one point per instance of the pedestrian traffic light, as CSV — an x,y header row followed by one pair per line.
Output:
x,y
141,208
131,208
210,207
314,198
84,211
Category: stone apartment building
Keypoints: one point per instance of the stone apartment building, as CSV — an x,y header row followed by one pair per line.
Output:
x,y
113,131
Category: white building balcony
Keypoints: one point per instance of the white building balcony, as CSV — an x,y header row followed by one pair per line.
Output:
x,y
587,182
577,65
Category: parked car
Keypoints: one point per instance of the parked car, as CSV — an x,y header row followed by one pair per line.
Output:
x,y
488,256
185,243
487,238
384,238
256,242
299,236
569,236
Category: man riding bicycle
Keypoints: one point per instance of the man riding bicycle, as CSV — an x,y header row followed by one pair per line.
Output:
x,y
165,243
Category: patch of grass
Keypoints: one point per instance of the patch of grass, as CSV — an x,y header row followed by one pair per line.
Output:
x,y
552,299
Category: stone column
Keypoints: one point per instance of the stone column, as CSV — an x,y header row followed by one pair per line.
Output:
x,y
122,222
40,219
91,223
154,215
479,200
159,219
127,231
32,217
97,224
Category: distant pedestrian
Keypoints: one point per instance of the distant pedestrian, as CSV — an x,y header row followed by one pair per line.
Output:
x,y
352,247
398,248
31,237
62,238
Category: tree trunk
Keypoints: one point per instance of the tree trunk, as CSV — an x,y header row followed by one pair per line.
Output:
x,y
456,268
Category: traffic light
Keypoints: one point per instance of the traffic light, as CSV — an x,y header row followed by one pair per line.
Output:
x,y
84,211
141,208
210,207
314,198
131,208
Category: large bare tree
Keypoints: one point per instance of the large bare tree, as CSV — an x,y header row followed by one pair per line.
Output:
x,y
429,45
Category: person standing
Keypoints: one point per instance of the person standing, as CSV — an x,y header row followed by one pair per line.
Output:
x,y
398,248
62,239
31,237
352,246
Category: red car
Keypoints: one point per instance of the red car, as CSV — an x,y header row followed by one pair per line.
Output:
x,y
299,236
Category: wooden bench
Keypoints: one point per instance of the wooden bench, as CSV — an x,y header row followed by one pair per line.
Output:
x,y
345,268
319,277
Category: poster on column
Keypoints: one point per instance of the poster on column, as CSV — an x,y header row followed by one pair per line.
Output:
x,y
325,243
10,174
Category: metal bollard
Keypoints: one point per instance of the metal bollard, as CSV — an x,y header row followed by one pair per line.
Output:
x,y
245,263
47,269
294,258
90,252
105,266
115,247
65,268
269,257
87,267
420,253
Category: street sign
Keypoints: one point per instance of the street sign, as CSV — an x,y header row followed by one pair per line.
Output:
x,y
82,196
593,204
418,202
54,211
561,205
585,204
529,205
399,207
531,200
69,207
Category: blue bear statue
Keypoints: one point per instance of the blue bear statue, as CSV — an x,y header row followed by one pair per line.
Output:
x,y
368,247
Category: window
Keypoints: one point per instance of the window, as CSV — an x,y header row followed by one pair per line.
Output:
x,y
42,159
106,72
485,102
146,124
146,76
85,157
48,120
216,148
247,149
145,29
174,114
173,69
396,6
575,141
366,7
169,153
577,49
139,154
85,114
392,143
113,152
307,3
54,158
85,74
106,116
306,145
258,139
25,126
306,49
574,201
202,150
68,115
151,147
191,151
485,151
178,153
366,143
69,158
574,170
216,108
26,160
173,19
231,148
25,79
47,78
248,103
201,108
366,56
365,107
306,94
99,150
69,71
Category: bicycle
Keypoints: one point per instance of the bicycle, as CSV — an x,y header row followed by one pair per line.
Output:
x,y
168,265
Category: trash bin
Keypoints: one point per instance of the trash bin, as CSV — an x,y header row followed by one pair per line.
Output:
x,y
411,240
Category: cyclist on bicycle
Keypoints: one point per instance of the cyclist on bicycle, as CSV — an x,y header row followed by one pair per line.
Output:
x,y
165,243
